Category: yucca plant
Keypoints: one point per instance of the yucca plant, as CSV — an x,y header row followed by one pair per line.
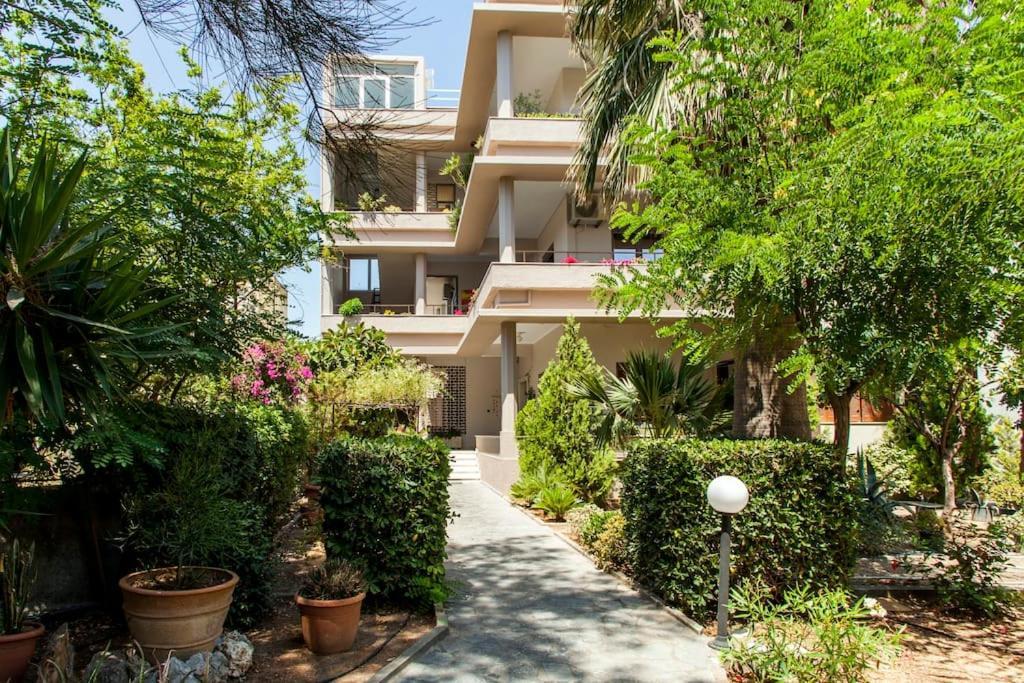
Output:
x,y
655,398
75,306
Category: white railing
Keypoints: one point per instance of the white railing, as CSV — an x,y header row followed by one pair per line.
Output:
x,y
442,97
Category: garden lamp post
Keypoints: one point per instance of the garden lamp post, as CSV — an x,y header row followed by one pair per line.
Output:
x,y
727,495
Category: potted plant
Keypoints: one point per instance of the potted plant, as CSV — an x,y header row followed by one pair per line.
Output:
x,y
330,602
19,637
179,607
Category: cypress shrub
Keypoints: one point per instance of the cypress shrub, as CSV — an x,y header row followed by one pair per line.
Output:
x,y
800,526
385,503
556,431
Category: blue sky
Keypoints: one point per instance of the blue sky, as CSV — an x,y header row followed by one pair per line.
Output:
x,y
442,43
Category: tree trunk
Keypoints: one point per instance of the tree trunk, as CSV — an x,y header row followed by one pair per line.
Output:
x,y
948,482
840,404
763,407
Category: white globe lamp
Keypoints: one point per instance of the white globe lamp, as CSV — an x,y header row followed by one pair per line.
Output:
x,y
728,496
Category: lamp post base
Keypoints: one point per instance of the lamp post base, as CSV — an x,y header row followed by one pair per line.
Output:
x,y
719,643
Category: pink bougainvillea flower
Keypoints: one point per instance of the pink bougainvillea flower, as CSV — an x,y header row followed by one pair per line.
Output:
x,y
305,372
570,259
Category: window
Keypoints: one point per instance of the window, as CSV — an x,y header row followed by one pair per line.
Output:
x,y
363,274
445,197
376,86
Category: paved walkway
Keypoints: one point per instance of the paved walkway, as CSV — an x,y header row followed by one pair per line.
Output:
x,y
527,607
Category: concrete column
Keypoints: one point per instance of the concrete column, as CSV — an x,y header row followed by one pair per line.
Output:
x,y
503,78
507,437
421,284
421,182
327,306
326,179
506,220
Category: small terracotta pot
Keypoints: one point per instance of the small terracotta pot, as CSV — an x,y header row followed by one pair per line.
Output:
x,y
330,626
16,650
178,622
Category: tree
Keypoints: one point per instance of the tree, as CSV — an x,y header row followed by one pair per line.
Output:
x,y
941,418
655,399
77,322
208,188
625,82
852,195
556,430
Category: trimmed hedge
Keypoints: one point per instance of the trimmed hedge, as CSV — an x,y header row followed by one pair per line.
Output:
x,y
385,503
800,526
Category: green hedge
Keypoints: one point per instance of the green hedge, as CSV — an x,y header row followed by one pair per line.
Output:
x,y
800,526
385,503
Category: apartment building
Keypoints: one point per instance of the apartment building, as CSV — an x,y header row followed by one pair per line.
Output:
x,y
476,277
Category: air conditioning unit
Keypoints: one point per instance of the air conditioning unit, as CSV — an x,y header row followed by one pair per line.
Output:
x,y
585,213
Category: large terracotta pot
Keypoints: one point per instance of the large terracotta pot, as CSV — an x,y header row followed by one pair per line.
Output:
x,y
330,626
179,622
16,651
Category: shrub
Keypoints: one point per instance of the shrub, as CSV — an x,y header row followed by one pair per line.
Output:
x,y
595,525
557,431
974,559
800,526
530,484
556,500
385,503
351,307
611,547
815,638
579,516
225,476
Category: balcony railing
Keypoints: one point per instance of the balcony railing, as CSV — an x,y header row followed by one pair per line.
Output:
x,y
409,309
617,257
442,98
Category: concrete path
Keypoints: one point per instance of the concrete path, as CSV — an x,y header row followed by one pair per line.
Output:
x,y
527,607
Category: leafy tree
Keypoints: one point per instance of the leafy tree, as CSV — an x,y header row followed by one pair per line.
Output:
x,y
655,398
78,316
210,188
556,429
850,198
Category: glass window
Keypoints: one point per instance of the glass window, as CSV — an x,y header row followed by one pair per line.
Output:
x,y
376,86
397,69
346,92
363,274
403,92
374,93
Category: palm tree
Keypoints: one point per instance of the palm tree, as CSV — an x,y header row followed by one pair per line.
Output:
x,y
654,398
625,82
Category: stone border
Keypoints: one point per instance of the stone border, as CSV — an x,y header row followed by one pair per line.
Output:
x,y
676,614
424,643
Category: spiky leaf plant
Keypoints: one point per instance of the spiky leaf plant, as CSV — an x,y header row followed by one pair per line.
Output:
x,y
74,307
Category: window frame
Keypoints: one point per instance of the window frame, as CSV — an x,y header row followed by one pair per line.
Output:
x,y
372,262
374,72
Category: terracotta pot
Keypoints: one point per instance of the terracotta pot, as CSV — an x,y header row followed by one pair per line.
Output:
x,y
330,626
16,650
181,622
